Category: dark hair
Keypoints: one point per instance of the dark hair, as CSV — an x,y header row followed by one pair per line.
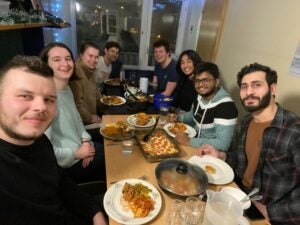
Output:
x,y
44,55
84,46
112,44
162,43
192,55
209,67
271,75
31,64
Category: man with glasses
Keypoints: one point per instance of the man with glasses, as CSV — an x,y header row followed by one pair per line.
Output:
x,y
213,113
265,151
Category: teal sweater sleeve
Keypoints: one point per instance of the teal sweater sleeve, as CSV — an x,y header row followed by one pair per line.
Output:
x,y
67,130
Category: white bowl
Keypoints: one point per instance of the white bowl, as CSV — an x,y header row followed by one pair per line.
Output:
x,y
238,195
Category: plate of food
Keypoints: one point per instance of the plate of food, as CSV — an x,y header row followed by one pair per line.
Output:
x,y
217,171
141,119
113,82
132,202
117,131
172,128
113,100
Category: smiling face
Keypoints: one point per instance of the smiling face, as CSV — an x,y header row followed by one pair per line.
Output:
x,y
255,93
112,54
161,55
186,65
60,60
90,57
206,85
27,106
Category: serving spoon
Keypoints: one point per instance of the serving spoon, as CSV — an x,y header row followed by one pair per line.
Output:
x,y
127,89
147,136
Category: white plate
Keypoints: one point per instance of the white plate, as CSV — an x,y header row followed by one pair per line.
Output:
x,y
224,173
132,121
238,195
189,130
243,221
116,211
93,126
121,103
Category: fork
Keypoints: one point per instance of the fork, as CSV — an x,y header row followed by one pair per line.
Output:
x,y
144,177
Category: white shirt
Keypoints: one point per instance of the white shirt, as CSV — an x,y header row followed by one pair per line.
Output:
x,y
101,69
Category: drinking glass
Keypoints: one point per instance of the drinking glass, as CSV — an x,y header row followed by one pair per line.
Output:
x,y
127,147
163,114
174,216
193,211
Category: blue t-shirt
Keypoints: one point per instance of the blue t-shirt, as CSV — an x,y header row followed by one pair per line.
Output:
x,y
168,74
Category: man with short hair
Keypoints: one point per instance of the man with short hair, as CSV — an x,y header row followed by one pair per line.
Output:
x,y
104,66
265,151
165,73
213,112
33,188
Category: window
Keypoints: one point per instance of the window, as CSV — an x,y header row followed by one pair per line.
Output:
x,y
137,24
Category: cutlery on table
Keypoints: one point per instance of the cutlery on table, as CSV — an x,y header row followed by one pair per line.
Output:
x,y
144,177
148,135
253,198
253,192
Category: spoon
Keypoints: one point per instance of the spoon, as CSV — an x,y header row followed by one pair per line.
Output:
x,y
253,198
251,193
127,89
147,136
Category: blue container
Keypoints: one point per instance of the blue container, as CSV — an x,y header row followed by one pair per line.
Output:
x,y
162,101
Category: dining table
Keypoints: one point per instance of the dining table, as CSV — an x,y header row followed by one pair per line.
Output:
x,y
134,165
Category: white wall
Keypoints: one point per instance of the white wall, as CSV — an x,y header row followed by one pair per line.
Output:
x,y
263,31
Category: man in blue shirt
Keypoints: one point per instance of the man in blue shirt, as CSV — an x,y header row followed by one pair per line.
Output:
x,y
165,74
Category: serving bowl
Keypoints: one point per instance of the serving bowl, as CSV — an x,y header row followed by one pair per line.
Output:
x,y
180,178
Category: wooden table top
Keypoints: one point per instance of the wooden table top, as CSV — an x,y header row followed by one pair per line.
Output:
x,y
119,166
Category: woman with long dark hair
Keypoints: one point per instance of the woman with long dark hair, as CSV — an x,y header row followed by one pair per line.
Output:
x,y
185,91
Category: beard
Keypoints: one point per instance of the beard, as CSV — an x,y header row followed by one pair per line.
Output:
x,y
263,102
9,128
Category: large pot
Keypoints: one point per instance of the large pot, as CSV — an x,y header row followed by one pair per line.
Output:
x,y
181,178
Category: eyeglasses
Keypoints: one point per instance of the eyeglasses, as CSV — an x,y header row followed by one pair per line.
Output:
x,y
204,81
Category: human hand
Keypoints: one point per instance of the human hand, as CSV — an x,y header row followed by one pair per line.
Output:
x,y
85,150
86,161
96,119
99,219
182,138
210,150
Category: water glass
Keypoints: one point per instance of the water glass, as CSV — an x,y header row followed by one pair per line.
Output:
x,y
163,114
193,211
127,147
174,216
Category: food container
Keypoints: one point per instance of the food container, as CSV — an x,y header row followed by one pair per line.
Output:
x,y
162,101
158,151
180,178
139,102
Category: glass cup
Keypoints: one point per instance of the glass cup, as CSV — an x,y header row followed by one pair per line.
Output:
x,y
163,114
193,211
127,147
174,216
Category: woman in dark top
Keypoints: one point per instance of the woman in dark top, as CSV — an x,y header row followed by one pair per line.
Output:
x,y
185,91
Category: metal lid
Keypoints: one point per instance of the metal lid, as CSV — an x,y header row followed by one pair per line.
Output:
x,y
181,178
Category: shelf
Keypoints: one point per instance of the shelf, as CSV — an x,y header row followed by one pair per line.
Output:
x,y
32,25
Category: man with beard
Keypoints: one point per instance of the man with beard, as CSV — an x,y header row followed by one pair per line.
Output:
x,y
265,151
213,112
33,188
